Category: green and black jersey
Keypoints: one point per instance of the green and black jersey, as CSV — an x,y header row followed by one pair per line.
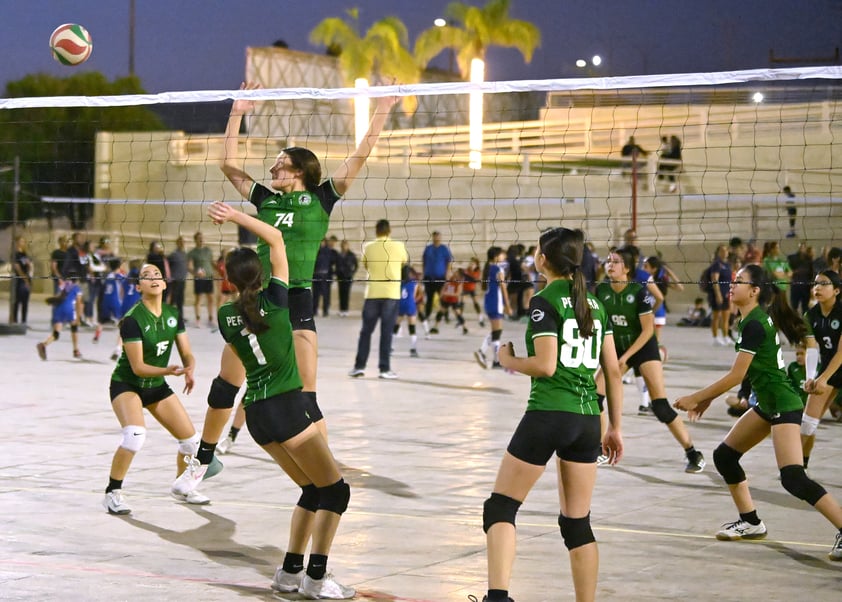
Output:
x,y
156,333
825,329
767,371
303,218
269,357
572,387
624,310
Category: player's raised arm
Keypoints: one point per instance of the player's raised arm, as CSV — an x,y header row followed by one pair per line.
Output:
x,y
221,213
231,164
344,176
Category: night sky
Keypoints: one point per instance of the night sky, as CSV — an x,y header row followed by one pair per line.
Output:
x,y
200,44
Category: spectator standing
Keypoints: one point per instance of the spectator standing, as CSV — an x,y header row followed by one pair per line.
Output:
x,y
57,258
22,265
719,298
346,267
323,272
200,264
801,263
178,272
776,264
437,259
383,258
632,151
156,257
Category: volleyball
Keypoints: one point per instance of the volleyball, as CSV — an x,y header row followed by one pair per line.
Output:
x,y
71,44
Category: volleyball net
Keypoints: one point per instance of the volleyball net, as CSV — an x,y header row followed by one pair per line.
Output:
x,y
688,161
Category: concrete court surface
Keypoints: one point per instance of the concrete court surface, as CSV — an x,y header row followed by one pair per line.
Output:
x,y
421,455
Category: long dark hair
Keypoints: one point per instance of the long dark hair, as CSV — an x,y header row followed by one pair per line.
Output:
x,y
774,301
245,271
563,250
491,256
304,160
627,254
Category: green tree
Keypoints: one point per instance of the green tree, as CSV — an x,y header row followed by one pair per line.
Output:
x,y
471,30
56,145
381,55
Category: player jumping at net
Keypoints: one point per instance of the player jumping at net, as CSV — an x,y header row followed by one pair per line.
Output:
x,y
567,337
630,310
148,331
257,331
763,312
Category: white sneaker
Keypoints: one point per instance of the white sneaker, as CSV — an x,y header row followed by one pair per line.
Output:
x,y
356,373
725,341
601,460
193,497
388,375
741,530
191,477
836,550
224,446
286,582
114,503
325,589
479,356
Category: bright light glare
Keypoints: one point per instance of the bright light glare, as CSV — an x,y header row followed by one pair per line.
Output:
x,y
439,22
475,116
361,109
596,60
581,63
757,97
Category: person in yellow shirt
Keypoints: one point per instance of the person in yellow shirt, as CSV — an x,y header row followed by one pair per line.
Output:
x,y
383,259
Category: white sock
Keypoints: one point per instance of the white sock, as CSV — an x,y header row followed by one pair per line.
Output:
x,y
645,400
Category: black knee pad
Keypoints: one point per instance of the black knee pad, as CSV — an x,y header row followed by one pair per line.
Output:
x,y
309,499
727,462
56,335
334,498
796,482
576,532
411,329
600,401
74,328
499,508
222,394
496,334
662,410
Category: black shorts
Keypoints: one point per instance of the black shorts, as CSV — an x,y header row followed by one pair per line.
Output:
x,y
835,380
301,309
573,437
648,353
203,286
726,302
147,396
278,418
791,417
450,304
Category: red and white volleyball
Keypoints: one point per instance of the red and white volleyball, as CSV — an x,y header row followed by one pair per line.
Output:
x,y
71,44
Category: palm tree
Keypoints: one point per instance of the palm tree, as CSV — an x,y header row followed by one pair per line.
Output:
x,y
470,30
382,54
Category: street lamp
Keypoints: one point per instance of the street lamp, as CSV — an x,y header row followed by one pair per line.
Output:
x,y
13,328
596,61
451,58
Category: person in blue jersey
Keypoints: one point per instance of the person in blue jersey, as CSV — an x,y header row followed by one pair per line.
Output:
x,y
824,328
257,330
496,306
67,309
150,330
408,306
763,312
568,337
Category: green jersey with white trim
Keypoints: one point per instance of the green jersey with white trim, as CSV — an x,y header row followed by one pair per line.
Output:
x,y
269,357
302,217
156,334
625,309
571,388
767,371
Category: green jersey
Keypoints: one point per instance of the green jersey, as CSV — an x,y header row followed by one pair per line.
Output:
x,y
302,217
797,376
571,388
624,309
269,357
767,371
156,334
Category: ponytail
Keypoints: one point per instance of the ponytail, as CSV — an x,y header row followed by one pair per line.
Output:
x,y
247,303
245,272
563,249
773,299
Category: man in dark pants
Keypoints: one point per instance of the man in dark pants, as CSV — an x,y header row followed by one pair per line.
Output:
x,y
383,258
437,259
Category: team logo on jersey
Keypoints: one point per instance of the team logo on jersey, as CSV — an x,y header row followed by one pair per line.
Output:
x,y
171,322
834,324
262,313
537,315
629,298
304,200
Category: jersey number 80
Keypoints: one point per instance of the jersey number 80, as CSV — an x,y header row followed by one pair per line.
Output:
x,y
577,351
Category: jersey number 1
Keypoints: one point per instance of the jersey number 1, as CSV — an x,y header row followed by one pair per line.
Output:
x,y
255,346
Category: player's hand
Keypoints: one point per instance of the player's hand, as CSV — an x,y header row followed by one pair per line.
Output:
x,y
174,371
506,352
189,382
243,106
612,445
220,212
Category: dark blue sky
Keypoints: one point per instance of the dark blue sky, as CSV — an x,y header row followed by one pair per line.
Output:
x,y
200,44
